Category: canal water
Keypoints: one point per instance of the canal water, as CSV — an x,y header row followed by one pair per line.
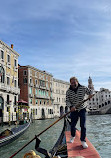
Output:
x,y
98,132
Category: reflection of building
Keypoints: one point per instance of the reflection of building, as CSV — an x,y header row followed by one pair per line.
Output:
x,y
36,89
9,90
59,94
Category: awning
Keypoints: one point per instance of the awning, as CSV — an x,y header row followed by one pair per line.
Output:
x,y
22,101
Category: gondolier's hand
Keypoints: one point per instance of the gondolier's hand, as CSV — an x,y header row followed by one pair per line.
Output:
x,y
73,109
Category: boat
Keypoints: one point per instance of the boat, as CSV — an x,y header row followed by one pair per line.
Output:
x,y
8,135
63,148
94,111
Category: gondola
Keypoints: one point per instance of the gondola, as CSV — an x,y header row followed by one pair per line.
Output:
x,y
8,136
60,149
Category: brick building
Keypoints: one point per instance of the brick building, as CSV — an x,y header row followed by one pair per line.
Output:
x,y
36,89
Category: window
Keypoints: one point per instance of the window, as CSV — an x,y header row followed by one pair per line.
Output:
x,y
14,109
2,54
2,74
15,83
8,58
15,100
25,72
30,90
30,101
36,101
25,80
7,99
15,63
35,81
42,83
7,109
8,81
36,91
36,111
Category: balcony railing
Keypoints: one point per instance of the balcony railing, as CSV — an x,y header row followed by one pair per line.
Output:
x,y
42,87
40,96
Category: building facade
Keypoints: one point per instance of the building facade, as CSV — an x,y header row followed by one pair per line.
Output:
x,y
101,99
59,95
9,90
36,89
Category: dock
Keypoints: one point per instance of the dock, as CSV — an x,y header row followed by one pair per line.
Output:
x,y
76,149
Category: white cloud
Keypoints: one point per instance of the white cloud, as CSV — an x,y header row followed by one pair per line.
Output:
x,y
65,38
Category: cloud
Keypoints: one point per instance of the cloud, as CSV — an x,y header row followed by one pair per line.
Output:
x,y
65,38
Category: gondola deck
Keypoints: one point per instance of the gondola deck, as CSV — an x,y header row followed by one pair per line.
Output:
x,y
76,149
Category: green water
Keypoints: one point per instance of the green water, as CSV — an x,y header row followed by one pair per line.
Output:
x,y
98,132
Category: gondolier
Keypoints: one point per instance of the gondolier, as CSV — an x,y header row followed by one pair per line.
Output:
x,y
74,95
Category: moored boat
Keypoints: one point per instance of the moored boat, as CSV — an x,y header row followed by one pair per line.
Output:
x,y
8,136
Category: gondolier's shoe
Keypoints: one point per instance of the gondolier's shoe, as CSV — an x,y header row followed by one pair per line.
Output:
x,y
84,144
72,139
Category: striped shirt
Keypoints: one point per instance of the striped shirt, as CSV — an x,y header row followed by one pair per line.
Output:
x,y
74,98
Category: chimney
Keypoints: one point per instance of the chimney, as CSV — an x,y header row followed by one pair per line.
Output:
x,y
12,46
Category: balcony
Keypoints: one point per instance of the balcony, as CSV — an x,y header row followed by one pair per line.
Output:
x,y
47,88
15,90
42,97
42,87
3,86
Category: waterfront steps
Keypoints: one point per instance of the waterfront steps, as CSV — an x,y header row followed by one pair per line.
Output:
x,y
75,149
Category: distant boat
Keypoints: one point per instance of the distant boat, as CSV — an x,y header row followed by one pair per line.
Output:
x,y
8,136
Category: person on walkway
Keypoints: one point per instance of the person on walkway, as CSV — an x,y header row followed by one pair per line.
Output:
x,y
74,95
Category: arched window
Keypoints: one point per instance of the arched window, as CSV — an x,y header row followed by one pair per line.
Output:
x,y
36,111
108,102
2,74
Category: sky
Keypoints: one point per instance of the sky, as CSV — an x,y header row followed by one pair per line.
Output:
x,y
63,37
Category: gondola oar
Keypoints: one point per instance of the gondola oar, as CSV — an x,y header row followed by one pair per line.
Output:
x,y
90,96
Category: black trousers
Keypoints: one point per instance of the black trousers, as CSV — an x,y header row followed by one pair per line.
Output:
x,y
74,119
